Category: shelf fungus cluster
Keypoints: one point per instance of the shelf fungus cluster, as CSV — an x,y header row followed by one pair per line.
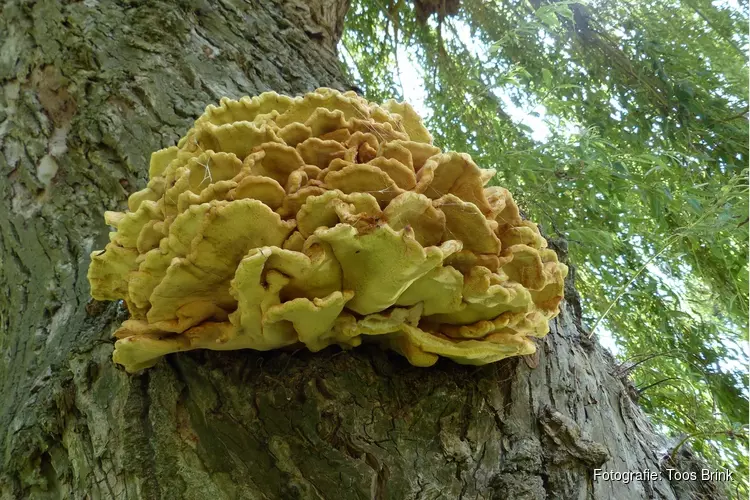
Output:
x,y
319,220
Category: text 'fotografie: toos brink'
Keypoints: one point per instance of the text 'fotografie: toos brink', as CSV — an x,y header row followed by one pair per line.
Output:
x,y
669,474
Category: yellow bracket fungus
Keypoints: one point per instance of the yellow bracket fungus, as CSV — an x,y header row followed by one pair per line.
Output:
x,y
318,220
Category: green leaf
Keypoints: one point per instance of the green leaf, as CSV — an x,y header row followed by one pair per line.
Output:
x,y
547,77
547,15
563,10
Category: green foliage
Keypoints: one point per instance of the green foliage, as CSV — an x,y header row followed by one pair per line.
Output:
x,y
643,169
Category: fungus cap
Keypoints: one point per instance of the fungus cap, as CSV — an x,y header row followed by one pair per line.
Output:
x,y
318,220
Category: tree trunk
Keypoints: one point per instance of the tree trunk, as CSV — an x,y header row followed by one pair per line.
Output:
x,y
89,90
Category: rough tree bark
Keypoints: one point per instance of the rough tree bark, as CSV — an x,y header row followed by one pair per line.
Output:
x,y
89,90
